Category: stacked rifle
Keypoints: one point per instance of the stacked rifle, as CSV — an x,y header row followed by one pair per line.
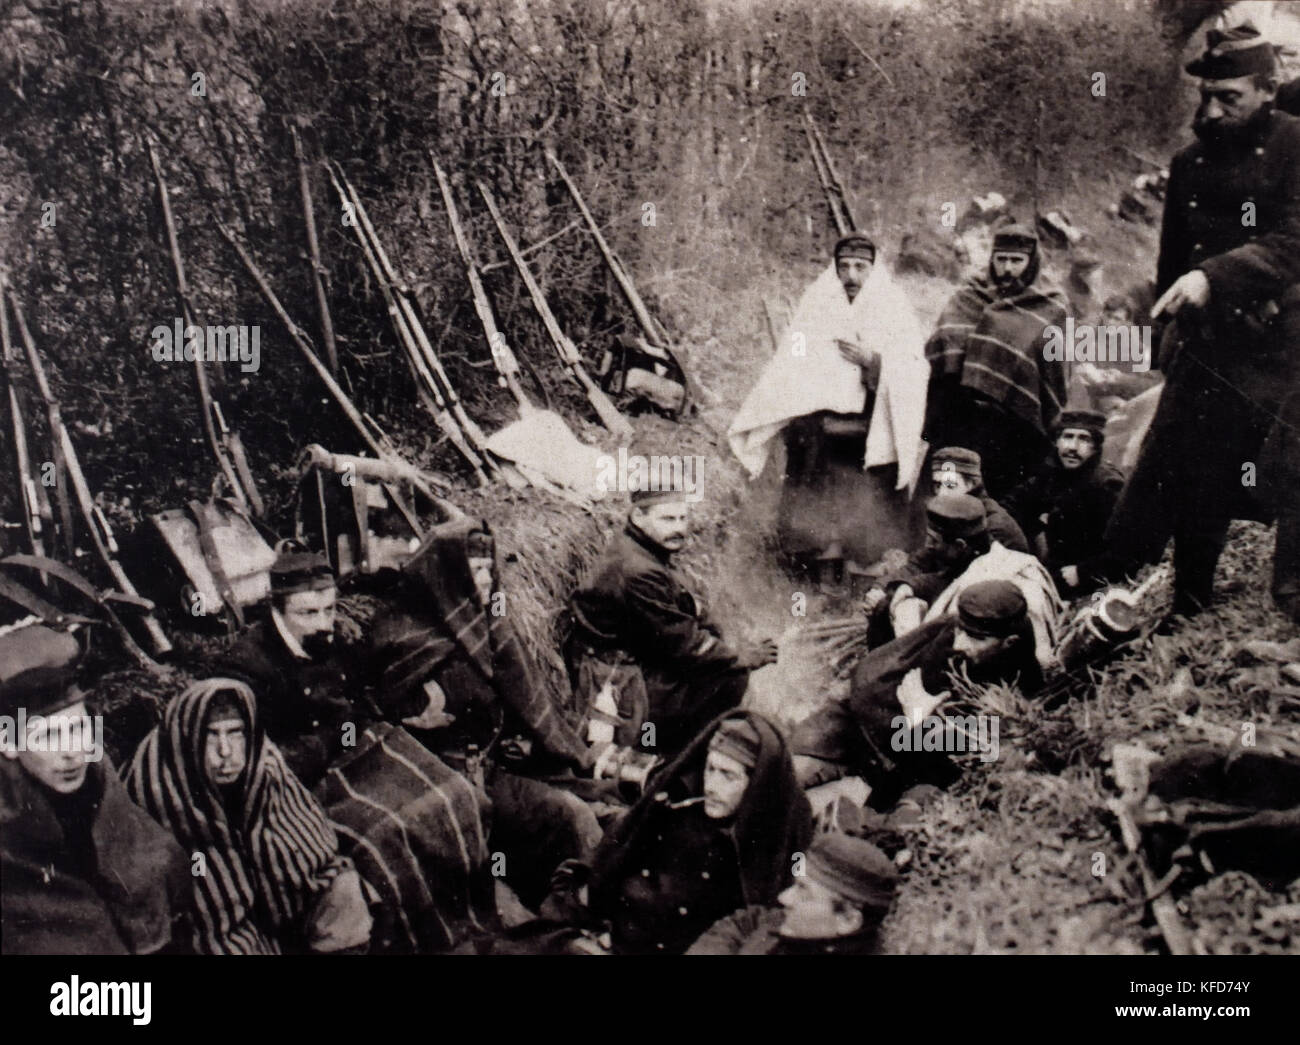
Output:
x,y
837,199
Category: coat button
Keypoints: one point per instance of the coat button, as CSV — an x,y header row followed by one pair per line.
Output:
x,y
306,691
659,947
645,872
704,875
1197,246
1191,204
682,911
1259,150
315,724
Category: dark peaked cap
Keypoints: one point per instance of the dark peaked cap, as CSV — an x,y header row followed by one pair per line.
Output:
x,y
1230,53
854,869
992,609
36,670
963,461
956,514
856,245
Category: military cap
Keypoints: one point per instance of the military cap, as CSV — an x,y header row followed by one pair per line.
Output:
x,y
37,665
852,868
1231,53
1015,237
956,514
856,245
737,738
296,569
644,498
992,609
962,461
1091,421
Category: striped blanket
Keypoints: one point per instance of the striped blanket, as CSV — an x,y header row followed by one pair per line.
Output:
x,y
414,827
995,345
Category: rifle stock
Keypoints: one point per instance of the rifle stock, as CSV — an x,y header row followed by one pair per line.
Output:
x,y
564,347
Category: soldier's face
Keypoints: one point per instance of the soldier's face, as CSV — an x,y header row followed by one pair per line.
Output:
x,y
1227,106
853,272
1009,265
1075,448
725,780
947,480
57,751
225,747
309,618
979,649
668,525
813,912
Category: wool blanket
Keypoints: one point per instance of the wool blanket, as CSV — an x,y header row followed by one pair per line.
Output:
x,y
414,828
269,855
995,345
808,374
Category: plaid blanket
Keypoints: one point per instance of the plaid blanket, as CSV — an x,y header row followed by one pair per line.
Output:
x,y
995,345
414,828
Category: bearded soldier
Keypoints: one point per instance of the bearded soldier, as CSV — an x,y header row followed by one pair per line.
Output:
x,y
992,389
1222,444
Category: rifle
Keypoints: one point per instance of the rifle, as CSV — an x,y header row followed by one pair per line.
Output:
x,y
564,347
101,534
504,360
313,247
226,445
654,331
836,198
436,391
379,444
35,506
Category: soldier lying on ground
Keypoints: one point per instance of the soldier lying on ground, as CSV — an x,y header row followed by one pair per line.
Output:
x,y
267,874
83,870
835,905
635,626
991,640
1066,504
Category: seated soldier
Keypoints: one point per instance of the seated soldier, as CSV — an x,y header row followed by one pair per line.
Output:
x,y
714,832
834,907
956,535
637,627
1066,504
268,876
310,698
990,641
452,669
82,869
954,469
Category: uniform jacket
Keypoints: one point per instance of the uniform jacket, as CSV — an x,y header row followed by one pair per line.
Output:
x,y
666,872
1077,505
634,603
121,895
1233,367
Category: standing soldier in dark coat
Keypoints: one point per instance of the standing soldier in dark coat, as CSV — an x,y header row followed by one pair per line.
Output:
x,y
1227,275
1067,503
637,628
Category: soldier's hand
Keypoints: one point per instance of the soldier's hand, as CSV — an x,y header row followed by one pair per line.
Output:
x,y
760,654
1070,574
872,600
1192,288
857,356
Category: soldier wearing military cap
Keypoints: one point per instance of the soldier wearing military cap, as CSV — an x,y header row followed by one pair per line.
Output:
x,y
990,639
306,686
83,870
1065,506
1223,443
955,469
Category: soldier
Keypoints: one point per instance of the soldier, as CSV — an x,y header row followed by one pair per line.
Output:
x,y
83,870
1066,504
1227,277
637,627
955,469
992,387
834,907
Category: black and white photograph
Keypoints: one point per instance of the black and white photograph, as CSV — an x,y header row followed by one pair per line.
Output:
x,y
650,477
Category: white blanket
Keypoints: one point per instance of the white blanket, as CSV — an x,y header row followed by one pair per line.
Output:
x,y
1035,583
807,374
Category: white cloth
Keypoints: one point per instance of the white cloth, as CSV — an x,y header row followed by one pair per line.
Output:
x,y
1000,563
807,374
